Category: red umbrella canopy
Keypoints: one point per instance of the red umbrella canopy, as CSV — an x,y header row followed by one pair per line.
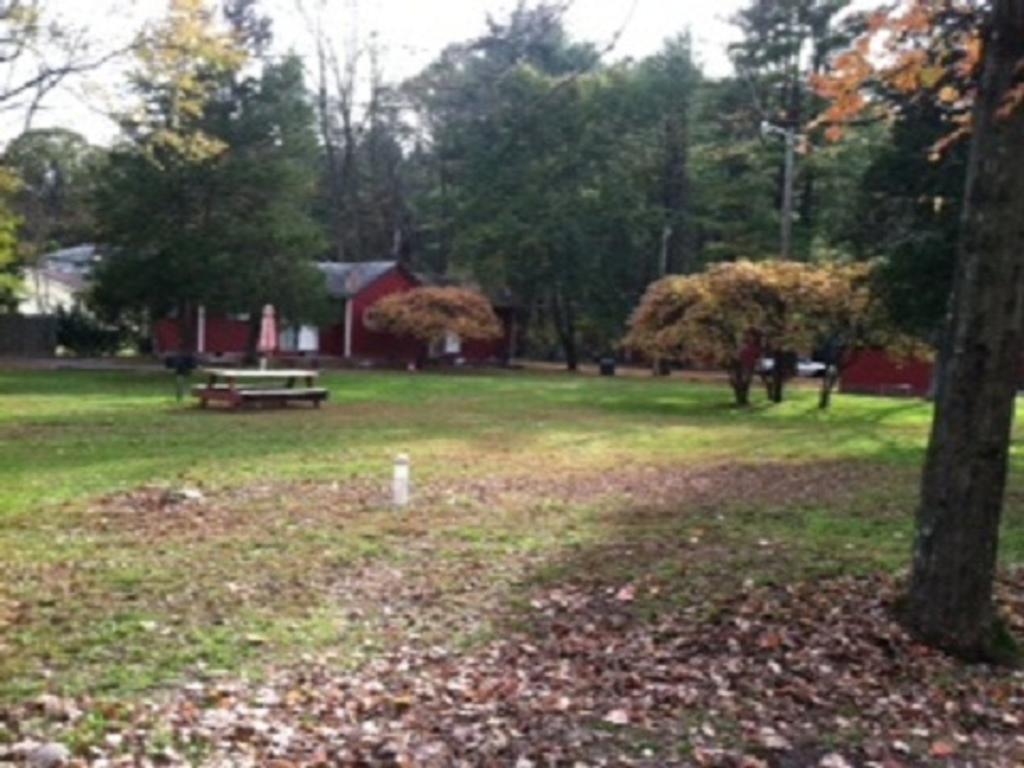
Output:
x,y
268,330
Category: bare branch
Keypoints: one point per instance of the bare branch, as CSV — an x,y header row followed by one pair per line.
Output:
x,y
36,57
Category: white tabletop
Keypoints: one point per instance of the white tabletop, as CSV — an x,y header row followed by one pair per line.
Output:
x,y
258,373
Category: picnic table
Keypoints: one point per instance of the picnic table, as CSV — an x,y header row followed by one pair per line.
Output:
x,y
237,387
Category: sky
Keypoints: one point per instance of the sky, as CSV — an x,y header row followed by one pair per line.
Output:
x,y
411,33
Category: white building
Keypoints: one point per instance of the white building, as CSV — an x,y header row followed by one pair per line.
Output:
x,y
58,281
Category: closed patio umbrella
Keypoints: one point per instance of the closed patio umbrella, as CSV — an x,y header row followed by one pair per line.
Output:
x,y
268,334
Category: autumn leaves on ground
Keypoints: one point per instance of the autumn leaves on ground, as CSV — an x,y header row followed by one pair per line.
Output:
x,y
594,572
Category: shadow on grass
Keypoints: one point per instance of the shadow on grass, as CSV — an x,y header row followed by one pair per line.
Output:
x,y
743,525
748,524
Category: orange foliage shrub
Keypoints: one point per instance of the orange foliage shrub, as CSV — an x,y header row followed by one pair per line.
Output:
x,y
735,312
429,314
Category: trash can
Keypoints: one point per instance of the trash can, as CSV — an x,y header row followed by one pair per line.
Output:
x,y
182,364
607,366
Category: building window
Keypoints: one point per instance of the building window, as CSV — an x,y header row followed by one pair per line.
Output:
x,y
452,343
300,338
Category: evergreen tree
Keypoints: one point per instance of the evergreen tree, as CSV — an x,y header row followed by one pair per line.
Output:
x,y
262,224
909,214
544,172
784,44
208,201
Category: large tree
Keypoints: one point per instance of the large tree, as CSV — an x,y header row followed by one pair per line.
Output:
x,y
782,44
962,492
210,201
733,313
966,59
363,201
59,171
261,228
155,199
542,170
906,213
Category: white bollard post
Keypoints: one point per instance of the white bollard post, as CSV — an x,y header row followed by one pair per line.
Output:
x,y
400,485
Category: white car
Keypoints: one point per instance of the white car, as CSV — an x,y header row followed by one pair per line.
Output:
x,y
810,369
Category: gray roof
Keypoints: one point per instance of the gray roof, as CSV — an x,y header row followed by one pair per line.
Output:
x,y
79,258
346,279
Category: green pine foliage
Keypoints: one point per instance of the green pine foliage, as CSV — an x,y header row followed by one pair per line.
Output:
x,y
231,229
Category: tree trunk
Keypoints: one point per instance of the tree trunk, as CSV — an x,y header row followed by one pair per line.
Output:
x,y
334,190
939,366
950,603
565,326
776,382
828,384
837,360
350,183
252,352
444,230
740,380
187,328
675,194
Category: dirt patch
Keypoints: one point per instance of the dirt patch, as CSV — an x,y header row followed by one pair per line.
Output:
x,y
162,510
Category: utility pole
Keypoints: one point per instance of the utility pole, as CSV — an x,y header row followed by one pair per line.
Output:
x,y
666,235
787,195
789,180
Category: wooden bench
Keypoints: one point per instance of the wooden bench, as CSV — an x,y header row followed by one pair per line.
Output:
x,y
236,397
223,387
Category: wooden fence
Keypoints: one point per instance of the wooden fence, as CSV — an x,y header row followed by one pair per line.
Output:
x,y
22,336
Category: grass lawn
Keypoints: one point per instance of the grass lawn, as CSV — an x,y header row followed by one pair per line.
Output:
x,y
523,483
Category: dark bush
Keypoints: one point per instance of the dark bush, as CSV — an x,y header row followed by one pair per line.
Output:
x,y
83,335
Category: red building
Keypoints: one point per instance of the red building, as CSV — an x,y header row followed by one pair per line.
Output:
x,y
353,288
875,372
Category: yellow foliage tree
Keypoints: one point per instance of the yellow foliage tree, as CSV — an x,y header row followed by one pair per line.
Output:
x,y
429,314
726,317
10,279
181,63
735,313
968,57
